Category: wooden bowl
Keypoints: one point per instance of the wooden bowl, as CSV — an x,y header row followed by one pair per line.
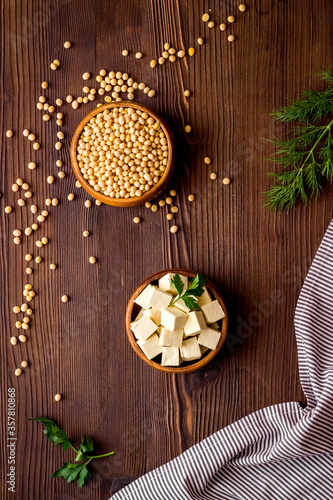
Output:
x,y
126,202
185,367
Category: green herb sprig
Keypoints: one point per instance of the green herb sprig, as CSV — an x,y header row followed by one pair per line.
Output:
x,y
193,292
307,154
71,471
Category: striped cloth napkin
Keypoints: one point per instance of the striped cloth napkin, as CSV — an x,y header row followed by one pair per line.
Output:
x,y
282,452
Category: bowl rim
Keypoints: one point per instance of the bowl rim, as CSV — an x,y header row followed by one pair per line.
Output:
x,y
202,361
124,202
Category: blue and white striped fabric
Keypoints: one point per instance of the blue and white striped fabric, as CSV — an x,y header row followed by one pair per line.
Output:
x,y
283,452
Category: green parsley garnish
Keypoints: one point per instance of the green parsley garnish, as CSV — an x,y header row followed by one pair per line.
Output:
x,y
70,471
191,295
306,155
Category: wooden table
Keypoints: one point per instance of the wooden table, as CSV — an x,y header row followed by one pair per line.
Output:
x,y
258,259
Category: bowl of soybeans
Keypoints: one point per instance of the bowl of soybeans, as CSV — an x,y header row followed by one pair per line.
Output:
x,y
122,154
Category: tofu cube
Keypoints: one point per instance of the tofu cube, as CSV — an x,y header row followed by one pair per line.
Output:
x,y
164,283
170,356
154,315
158,299
190,350
203,349
209,338
212,312
151,347
215,326
173,319
159,330
171,339
205,298
139,315
141,299
143,328
194,324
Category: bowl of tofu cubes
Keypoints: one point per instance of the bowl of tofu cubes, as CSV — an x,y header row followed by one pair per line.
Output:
x,y
176,321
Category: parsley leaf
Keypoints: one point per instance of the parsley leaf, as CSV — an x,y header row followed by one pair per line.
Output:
x,y
83,476
53,432
177,284
190,296
196,286
191,303
87,444
70,471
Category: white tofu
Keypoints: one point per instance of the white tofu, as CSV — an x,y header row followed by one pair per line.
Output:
x,y
203,349
143,328
140,314
158,299
205,298
141,299
171,339
212,312
164,283
170,356
180,304
209,338
151,347
194,324
159,330
154,315
173,319
215,326
190,350
133,325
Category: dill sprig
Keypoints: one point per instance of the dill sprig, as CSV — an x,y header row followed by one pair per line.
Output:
x,y
306,155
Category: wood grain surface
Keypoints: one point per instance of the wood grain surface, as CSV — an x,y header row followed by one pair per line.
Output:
x,y
257,259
